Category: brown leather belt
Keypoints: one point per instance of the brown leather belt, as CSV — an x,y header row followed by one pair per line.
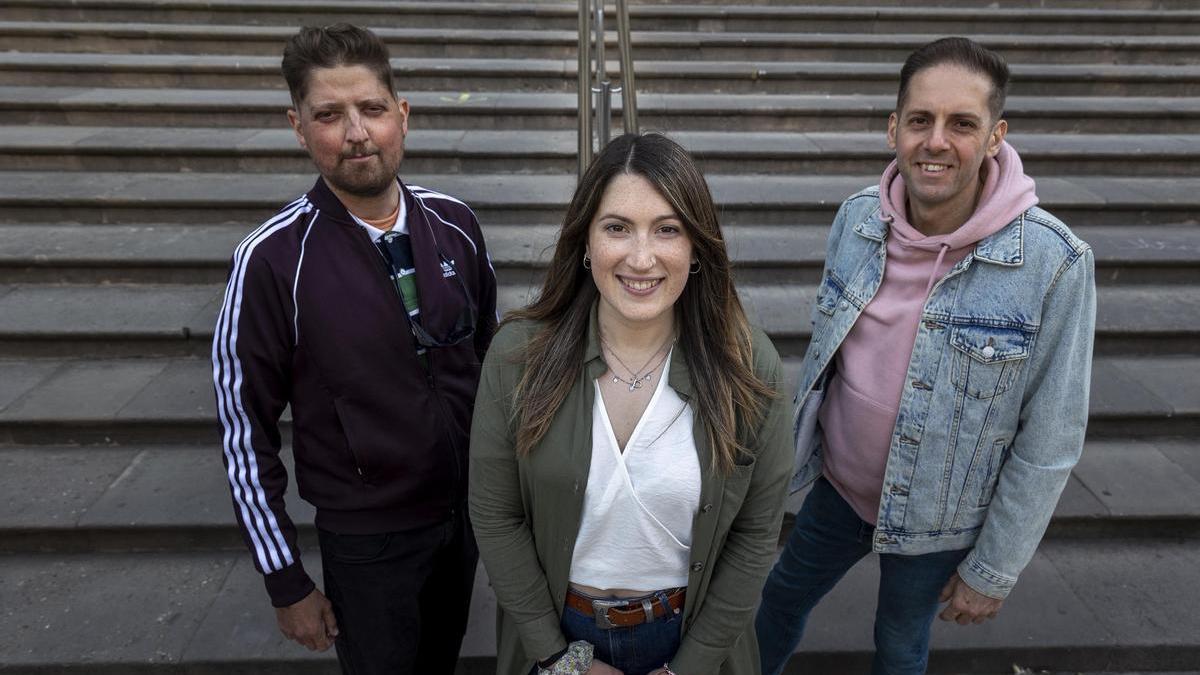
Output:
x,y
625,612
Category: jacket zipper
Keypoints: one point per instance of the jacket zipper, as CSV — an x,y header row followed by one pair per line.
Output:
x,y
433,390
430,381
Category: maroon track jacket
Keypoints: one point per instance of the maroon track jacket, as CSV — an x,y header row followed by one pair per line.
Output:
x,y
311,319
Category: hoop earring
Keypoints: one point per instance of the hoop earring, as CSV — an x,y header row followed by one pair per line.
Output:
x,y
694,268
587,262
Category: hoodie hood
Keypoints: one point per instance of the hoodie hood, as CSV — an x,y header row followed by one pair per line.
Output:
x,y
1007,193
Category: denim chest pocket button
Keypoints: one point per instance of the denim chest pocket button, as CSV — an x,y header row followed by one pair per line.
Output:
x,y
988,359
989,344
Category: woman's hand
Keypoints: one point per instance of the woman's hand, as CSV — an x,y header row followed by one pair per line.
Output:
x,y
661,671
601,668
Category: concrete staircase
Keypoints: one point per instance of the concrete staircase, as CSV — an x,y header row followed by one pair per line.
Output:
x,y
141,139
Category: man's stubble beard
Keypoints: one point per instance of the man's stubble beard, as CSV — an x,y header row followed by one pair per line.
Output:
x,y
368,182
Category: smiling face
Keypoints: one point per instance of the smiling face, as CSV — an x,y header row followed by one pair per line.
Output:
x,y
941,136
640,253
353,127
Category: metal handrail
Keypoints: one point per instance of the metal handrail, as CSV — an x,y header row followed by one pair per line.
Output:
x,y
628,88
599,107
585,90
603,86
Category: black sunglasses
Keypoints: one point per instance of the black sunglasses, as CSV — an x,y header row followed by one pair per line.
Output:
x,y
464,325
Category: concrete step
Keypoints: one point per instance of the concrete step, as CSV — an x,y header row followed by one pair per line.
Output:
x,y
1138,17
178,319
198,254
92,499
450,151
771,77
762,254
1142,320
974,4
211,616
129,198
112,564
406,42
119,499
153,400
239,108
1060,616
62,320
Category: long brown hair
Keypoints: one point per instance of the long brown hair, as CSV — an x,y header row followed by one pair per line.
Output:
x,y
712,326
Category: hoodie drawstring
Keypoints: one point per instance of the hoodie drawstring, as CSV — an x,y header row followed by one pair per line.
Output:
x,y
933,271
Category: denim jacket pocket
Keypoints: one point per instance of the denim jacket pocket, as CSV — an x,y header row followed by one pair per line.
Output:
x,y
995,460
988,359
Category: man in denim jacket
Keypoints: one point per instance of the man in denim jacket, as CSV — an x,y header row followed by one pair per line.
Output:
x,y
943,398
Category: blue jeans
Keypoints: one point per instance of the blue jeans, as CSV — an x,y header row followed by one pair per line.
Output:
x,y
827,540
635,650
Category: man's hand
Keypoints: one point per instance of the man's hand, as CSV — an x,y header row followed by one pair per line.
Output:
x,y
966,604
309,622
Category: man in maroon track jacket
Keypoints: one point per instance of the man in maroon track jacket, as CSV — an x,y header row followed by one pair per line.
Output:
x,y
367,305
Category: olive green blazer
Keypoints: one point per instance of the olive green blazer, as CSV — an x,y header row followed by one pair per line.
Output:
x,y
526,513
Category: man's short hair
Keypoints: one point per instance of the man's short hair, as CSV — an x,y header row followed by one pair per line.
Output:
x,y
339,44
965,53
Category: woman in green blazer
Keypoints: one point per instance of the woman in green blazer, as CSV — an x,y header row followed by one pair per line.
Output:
x,y
627,522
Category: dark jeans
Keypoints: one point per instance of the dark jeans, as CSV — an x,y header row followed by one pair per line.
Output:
x,y
635,650
827,540
401,599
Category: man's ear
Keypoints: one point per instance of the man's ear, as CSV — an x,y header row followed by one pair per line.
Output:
x,y
893,120
294,120
403,104
999,131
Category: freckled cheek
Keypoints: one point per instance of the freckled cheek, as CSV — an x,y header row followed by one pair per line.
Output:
x,y
677,258
606,255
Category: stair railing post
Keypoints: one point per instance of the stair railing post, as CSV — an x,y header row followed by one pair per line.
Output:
x,y
603,85
595,87
628,89
584,109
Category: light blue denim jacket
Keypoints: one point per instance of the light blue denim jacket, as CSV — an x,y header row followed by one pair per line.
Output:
x,y
995,404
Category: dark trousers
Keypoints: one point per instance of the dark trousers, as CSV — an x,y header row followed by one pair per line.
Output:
x,y
401,599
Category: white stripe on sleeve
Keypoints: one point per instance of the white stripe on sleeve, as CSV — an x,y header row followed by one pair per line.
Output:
x,y
271,550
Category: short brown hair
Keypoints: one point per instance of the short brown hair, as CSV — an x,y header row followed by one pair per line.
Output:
x,y
339,44
966,54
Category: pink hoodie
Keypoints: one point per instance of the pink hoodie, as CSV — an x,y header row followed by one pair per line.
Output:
x,y
863,398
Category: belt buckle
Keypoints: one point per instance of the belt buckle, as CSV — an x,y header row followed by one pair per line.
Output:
x,y
600,610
